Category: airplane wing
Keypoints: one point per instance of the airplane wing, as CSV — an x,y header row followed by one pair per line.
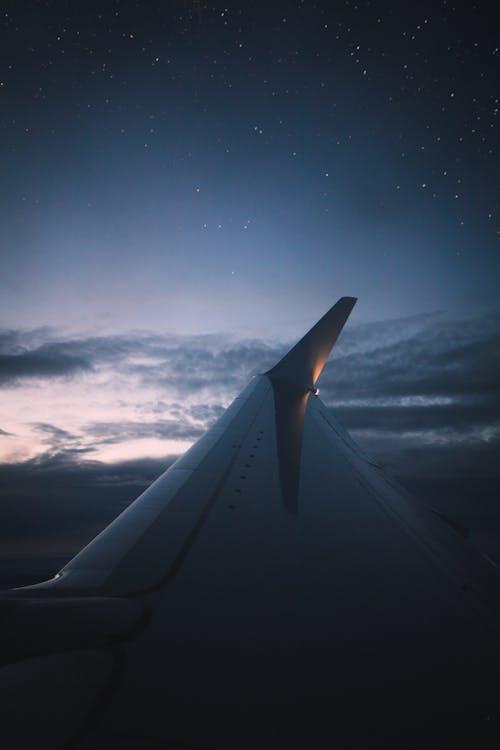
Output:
x,y
272,589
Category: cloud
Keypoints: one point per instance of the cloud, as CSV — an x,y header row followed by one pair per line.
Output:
x,y
206,413
54,434
46,361
188,362
451,358
425,373
398,418
216,365
51,506
116,432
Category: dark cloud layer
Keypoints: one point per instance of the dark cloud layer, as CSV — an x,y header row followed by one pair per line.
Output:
x,y
46,361
425,355
52,506
453,359
422,372
455,417
452,367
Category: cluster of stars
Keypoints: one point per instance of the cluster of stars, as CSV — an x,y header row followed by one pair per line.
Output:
x,y
317,85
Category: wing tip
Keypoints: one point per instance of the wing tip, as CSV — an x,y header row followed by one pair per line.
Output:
x,y
303,364
347,299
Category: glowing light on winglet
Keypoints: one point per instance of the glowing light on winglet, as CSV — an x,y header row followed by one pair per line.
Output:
x,y
303,364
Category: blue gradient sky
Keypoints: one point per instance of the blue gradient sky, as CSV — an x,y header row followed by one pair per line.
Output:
x,y
165,173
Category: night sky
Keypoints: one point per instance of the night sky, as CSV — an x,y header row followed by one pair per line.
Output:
x,y
186,187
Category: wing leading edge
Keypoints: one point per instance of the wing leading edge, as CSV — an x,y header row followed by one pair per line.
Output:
x,y
151,536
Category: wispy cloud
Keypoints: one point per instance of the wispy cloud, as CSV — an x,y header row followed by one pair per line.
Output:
x,y
425,375
48,360
172,429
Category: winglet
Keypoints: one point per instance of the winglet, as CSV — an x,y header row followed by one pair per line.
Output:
x,y
304,362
